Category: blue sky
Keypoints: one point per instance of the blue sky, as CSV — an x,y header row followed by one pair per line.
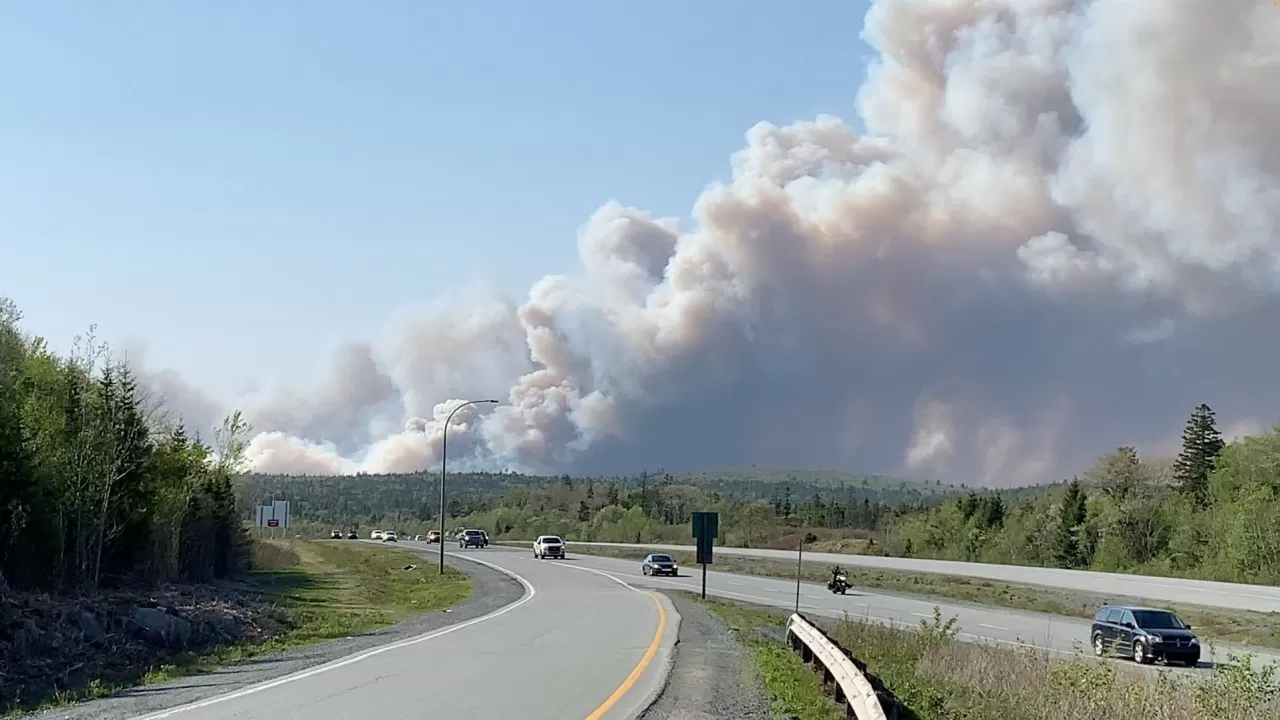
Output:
x,y
245,184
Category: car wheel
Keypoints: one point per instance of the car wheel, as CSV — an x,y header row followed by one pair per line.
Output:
x,y
1139,652
1098,647
644,570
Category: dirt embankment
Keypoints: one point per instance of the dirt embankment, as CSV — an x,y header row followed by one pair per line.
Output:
x,y
52,646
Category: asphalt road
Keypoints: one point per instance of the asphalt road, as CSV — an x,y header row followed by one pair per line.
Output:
x,y
578,644
1238,596
1057,634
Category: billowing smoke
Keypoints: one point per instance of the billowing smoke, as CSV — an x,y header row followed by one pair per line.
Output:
x,y
1058,234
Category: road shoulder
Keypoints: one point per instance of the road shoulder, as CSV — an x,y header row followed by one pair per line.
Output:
x,y
712,674
492,590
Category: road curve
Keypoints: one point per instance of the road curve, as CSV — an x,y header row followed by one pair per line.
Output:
x,y
1057,634
578,644
1237,596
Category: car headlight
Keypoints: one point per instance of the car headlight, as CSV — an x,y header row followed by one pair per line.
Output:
x,y
1155,638
1194,641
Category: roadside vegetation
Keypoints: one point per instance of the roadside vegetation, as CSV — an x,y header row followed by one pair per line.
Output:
x,y
924,673
1220,625
123,553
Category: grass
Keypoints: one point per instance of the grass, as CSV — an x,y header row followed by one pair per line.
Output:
x,y
334,589
929,675
1233,626
326,590
794,690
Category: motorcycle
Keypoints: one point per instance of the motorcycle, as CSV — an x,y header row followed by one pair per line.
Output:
x,y
838,584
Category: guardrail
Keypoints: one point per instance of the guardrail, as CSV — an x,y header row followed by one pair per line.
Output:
x,y
852,688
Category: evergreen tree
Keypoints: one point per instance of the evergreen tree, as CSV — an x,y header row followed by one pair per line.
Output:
x,y
1067,551
584,511
1201,445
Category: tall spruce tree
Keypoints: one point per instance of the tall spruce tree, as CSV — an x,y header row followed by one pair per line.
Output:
x,y
1201,445
1067,550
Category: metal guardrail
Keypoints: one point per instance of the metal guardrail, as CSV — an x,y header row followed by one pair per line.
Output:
x,y
851,687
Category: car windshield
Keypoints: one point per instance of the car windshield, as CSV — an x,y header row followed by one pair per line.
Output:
x,y
660,558
1158,620
550,540
472,533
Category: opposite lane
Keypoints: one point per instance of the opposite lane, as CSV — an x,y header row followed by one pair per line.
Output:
x,y
563,651
1237,596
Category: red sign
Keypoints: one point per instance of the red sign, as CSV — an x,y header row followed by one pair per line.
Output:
x,y
273,523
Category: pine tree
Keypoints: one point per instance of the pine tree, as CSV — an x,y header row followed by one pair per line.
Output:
x,y
1071,517
1201,445
584,511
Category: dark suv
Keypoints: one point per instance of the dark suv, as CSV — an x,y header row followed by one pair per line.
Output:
x,y
1144,634
472,538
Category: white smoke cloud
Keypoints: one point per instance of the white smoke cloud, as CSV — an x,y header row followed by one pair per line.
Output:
x,y
1058,234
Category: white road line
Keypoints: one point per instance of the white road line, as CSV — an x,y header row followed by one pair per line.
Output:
x,y
529,592
993,627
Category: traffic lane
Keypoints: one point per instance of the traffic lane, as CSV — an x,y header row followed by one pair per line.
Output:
x,y
559,654
1236,596
1058,634
645,676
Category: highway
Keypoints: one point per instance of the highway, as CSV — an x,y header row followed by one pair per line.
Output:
x,y
578,644
1059,635
1237,596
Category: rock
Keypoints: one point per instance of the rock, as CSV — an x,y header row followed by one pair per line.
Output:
x,y
160,628
88,624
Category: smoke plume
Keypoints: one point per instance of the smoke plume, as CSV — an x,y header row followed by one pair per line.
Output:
x,y
1057,234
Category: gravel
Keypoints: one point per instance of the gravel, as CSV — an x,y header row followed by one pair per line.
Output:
x,y
713,676
491,590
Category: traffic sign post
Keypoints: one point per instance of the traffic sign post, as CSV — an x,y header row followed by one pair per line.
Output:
x,y
706,528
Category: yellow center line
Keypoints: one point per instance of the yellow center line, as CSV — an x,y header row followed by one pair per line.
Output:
x,y
639,669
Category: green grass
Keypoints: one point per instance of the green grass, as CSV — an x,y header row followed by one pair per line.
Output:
x,y
327,590
1234,626
794,689
335,589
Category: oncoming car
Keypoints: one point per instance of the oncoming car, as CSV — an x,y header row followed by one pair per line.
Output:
x,y
375,535
433,536
660,564
471,538
548,546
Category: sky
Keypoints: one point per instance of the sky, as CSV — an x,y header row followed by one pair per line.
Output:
x,y
981,241
285,176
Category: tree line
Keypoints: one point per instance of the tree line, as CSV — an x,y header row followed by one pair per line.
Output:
x,y
1213,512
98,485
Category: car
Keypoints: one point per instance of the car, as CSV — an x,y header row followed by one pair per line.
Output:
x,y
1144,634
353,535
389,536
433,536
660,564
375,535
419,538
548,546
471,538
335,535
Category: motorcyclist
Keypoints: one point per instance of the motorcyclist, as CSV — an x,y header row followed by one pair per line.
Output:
x,y
837,574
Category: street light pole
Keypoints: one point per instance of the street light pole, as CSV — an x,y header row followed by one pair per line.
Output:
x,y
444,454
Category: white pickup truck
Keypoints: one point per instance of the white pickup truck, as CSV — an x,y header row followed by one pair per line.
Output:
x,y
548,546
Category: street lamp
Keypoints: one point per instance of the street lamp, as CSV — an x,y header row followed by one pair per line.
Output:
x,y
444,454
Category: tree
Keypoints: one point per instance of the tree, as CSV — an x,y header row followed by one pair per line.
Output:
x,y
1071,518
1118,473
584,511
1201,446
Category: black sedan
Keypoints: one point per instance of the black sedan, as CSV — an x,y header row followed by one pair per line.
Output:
x,y
659,564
